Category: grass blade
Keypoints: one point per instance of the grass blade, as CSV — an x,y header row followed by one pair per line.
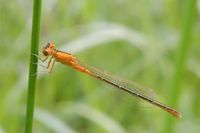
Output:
x,y
183,48
33,67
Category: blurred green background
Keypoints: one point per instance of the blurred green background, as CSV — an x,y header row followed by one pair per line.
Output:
x,y
140,40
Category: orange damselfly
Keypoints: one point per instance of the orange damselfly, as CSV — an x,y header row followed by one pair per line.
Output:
x,y
69,59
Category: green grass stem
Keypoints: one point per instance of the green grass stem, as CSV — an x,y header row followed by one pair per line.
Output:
x,y
33,67
189,13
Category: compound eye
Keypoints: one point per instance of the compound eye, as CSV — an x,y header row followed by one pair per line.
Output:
x,y
45,53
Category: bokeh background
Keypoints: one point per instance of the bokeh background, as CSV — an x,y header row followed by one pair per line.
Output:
x,y
135,39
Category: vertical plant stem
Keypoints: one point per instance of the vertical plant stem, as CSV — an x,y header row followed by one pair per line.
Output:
x,y
33,67
189,13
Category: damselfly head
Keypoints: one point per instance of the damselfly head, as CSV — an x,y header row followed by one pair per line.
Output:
x,y
48,49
